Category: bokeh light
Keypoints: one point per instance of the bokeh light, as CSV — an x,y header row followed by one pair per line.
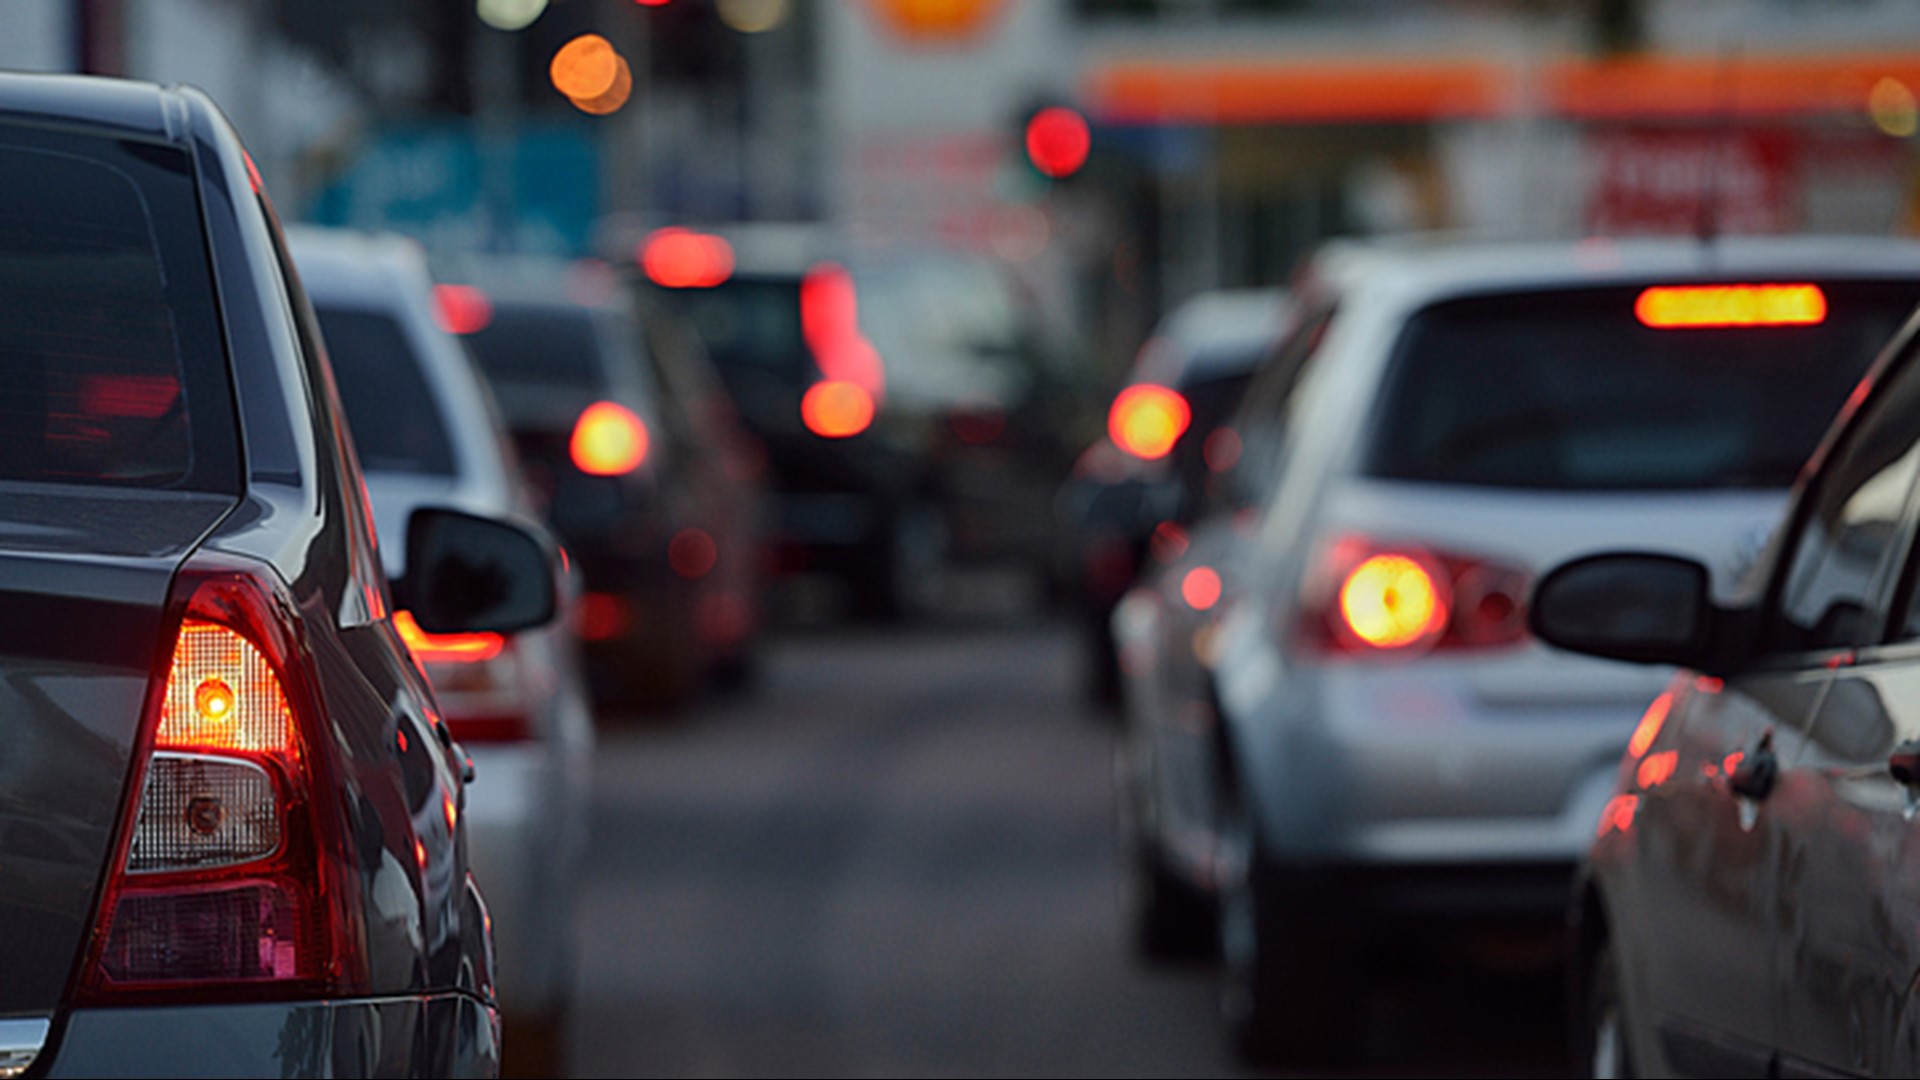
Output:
x,y
1058,141
509,14
1201,588
1146,420
585,67
837,410
677,258
1894,108
754,16
616,96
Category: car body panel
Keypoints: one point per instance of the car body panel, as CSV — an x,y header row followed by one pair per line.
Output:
x,y
297,520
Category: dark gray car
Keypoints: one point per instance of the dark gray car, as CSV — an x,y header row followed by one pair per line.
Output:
x,y
1750,905
230,817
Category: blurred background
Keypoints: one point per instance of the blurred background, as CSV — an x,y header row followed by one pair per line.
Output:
x,y
876,839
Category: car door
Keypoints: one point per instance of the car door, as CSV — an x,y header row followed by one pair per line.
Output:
x,y
1849,868
1730,801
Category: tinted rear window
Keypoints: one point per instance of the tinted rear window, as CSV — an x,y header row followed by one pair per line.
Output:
x,y
751,328
391,410
112,364
1569,390
534,346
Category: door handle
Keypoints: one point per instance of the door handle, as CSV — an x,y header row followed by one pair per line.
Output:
x,y
1757,772
1904,763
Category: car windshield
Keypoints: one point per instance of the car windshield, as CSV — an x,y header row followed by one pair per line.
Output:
x,y
104,296
396,422
1570,390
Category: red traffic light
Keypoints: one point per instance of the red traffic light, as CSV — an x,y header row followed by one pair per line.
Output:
x,y
1058,141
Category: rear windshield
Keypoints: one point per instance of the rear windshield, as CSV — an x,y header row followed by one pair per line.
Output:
x,y
394,417
751,328
540,347
1569,390
112,364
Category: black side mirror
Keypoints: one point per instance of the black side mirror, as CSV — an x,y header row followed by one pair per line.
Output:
x,y
1642,608
472,574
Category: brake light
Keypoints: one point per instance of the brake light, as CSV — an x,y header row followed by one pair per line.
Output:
x,y
476,677
837,410
1650,724
1393,602
608,440
830,323
1146,420
461,309
1370,599
1701,307
445,648
677,258
233,874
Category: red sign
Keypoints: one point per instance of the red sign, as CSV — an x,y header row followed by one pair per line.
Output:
x,y
1659,182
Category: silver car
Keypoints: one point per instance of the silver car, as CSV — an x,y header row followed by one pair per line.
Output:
x,y
427,432
1368,737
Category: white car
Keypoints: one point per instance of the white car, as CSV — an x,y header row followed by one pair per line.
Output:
x,y
1369,739
427,432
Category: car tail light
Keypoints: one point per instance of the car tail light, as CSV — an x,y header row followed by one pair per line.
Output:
x,y
462,309
234,872
1372,599
479,680
608,440
1147,421
837,409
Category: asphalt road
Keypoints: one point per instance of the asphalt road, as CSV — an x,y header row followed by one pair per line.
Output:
x,y
893,857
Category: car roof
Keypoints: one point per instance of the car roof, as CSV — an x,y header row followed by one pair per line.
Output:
x,y
1213,333
1425,268
126,107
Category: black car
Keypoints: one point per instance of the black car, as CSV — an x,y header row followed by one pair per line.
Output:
x,y
1750,905
638,463
230,817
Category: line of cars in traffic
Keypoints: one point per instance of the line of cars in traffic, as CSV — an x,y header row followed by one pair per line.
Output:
x,y
1371,670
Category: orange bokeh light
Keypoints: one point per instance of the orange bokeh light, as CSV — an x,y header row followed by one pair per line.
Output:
x,y
608,440
1147,420
585,68
837,409
1658,769
616,95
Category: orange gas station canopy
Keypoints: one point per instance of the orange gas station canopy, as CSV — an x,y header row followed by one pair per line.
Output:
x,y
1401,90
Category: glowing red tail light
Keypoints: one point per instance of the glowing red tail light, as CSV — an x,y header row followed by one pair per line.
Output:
x,y
677,258
1369,599
837,410
231,874
830,323
608,440
483,693
462,309
1147,421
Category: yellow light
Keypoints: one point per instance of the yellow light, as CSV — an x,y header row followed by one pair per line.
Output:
x,y
1894,108
1146,421
213,700
1391,602
608,440
753,16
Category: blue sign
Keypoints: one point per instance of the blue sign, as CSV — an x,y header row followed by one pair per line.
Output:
x,y
535,190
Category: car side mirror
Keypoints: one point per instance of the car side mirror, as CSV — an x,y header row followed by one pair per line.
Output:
x,y
472,574
1639,607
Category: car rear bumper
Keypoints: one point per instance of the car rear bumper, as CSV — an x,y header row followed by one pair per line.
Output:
x,y
450,1034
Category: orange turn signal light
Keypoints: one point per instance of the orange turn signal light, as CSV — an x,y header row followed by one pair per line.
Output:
x,y
1702,307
